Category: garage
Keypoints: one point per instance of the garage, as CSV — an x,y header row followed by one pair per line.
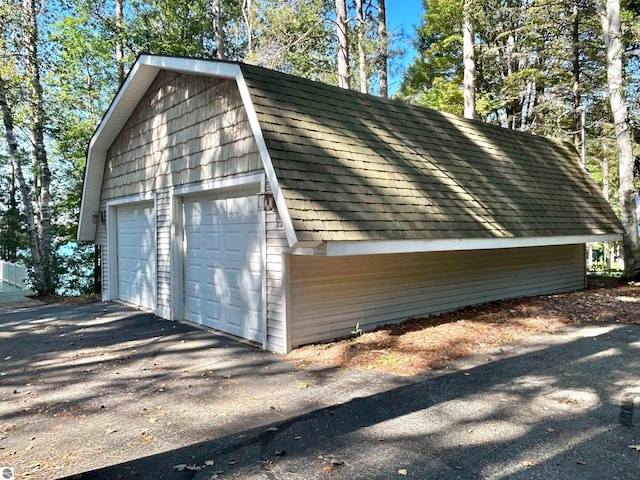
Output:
x,y
363,219
223,265
136,254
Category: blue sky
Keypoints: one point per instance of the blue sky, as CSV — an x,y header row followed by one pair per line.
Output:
x,y
403,15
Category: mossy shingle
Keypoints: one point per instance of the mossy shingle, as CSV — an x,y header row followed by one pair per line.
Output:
x,y
357,167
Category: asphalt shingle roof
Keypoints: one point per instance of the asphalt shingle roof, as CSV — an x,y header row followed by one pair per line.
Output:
x,y
357,167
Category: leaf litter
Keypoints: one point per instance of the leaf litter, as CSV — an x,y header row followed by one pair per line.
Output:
x,y
421,344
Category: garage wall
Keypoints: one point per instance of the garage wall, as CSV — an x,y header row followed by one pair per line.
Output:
x,y
163,229
185,130
101,239
329,295
277,244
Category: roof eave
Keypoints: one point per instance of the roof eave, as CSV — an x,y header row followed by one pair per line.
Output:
x,y
373,247
134,87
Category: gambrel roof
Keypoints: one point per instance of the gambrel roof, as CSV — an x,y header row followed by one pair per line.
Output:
x,y
348,168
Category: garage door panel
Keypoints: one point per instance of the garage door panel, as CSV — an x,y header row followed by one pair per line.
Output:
x,y
223,268
136,255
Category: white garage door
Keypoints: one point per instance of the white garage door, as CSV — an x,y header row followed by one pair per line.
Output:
x,y
136,255
223,265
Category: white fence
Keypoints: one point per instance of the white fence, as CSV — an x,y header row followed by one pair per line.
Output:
x,y
13,274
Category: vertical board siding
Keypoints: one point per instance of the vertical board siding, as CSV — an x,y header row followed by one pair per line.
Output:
x,y
329,295
276,245
186,129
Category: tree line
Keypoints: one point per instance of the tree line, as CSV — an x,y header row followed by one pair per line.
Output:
x,y
540,66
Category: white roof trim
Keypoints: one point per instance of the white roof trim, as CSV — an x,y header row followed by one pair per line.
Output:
x,y
373,247
283,211
136,84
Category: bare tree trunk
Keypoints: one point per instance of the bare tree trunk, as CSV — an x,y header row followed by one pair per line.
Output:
x,y
246,14
362,55
14,157
383,50
469,60
218,31
39,150
605,177
575,63
343,44
119,47
611,30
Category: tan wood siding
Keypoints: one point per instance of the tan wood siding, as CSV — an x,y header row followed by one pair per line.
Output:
x,y
328,296
163,236
276,245
185,130
101,239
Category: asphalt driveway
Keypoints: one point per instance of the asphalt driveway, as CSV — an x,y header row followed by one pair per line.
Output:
x,y
102,391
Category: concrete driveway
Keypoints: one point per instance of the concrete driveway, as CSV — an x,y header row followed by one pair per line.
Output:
x,y
106,392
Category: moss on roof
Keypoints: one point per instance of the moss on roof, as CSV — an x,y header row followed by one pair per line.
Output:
x,y
357,167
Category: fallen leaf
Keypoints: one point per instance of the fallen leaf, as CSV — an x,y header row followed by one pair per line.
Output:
x,y
403,472
328,469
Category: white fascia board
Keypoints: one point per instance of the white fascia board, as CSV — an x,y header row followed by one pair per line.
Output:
x,y
192,66
132,90
134,87
374,247
283,211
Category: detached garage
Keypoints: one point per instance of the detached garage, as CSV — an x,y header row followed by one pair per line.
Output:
x,y
286,211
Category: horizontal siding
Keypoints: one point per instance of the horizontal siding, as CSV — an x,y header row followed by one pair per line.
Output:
x,y
101,239
163,233
276,244
329,295
186,129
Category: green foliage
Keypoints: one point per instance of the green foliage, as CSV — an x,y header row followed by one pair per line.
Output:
x,y
13,237
295,37
356,332
74,268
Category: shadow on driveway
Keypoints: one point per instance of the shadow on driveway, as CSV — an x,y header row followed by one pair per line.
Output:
x,y
159,394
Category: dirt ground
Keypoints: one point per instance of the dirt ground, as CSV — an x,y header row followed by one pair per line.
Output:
x,y
421,344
